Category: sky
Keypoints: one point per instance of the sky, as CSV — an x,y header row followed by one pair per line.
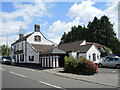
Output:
x,y
54,18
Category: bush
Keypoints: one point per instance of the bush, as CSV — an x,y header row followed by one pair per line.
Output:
x,y
81,66
69,64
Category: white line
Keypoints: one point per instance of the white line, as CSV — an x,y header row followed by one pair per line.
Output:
x,y
114,71
17,74
2,69
50,84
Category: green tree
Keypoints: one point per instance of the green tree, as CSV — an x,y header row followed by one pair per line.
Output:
x,y
64,37
99,30
93,30
5,50
107,51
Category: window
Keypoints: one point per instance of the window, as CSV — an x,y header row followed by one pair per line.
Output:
x,y
94,57
89,56
22,57
22,47
97,56
18,47
37,38
31,58
14,47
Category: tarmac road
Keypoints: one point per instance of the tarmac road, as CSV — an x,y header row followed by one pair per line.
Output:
x,y
20,77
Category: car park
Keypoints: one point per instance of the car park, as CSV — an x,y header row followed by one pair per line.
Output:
x,y
110,62
6,60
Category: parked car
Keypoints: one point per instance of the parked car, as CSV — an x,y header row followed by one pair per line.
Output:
x,y
6,60
110,62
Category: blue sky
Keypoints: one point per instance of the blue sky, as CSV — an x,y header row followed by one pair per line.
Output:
x,y
55,18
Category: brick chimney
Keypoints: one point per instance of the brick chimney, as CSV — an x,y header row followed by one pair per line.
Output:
x,y
37,28
21,35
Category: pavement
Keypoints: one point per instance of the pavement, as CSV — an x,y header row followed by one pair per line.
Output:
x,y
104,76
30,76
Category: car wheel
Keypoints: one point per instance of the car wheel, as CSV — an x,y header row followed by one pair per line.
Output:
x,y
100,65
118,66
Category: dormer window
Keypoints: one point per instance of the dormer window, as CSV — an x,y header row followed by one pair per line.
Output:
x,y
37,38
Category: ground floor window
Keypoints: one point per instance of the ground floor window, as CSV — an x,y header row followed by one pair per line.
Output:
x,y
22,57
31,58
18,58
94,57
97,56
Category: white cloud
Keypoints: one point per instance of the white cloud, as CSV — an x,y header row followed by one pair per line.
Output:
x,y
56,30
59,26
112,13
82,13
28,13
86,12
8,40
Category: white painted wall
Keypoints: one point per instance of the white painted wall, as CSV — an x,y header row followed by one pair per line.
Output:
x,y
32,52
30,39
83,43
18,49
73,54
90,52
20,46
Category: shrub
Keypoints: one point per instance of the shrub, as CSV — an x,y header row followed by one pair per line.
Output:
x,y
90,67
69,64
81,66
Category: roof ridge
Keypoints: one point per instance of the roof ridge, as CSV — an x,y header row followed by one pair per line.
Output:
x,y
24,37
72,42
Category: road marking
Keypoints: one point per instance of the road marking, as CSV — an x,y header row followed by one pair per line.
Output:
x,y
50,85
2,69
114,71
17,74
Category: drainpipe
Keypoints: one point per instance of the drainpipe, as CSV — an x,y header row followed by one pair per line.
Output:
x,y
25,50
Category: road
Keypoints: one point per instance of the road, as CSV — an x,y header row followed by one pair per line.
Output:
x,y
19,77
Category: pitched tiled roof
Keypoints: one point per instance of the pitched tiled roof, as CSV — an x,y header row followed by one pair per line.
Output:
x,y
54,51
96,44
23,38
41,48
75,46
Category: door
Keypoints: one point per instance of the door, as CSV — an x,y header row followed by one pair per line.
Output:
x,y
106,62
113,62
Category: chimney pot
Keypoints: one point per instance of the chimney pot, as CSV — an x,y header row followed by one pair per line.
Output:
x,y
21,35
37,28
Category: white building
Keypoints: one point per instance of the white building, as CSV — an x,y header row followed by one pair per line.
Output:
x,y
28,49
35,48
81,49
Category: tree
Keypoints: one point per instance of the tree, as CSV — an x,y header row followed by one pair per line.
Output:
x,y
99,30
64,36
94,31
107,52
5,50
76,34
